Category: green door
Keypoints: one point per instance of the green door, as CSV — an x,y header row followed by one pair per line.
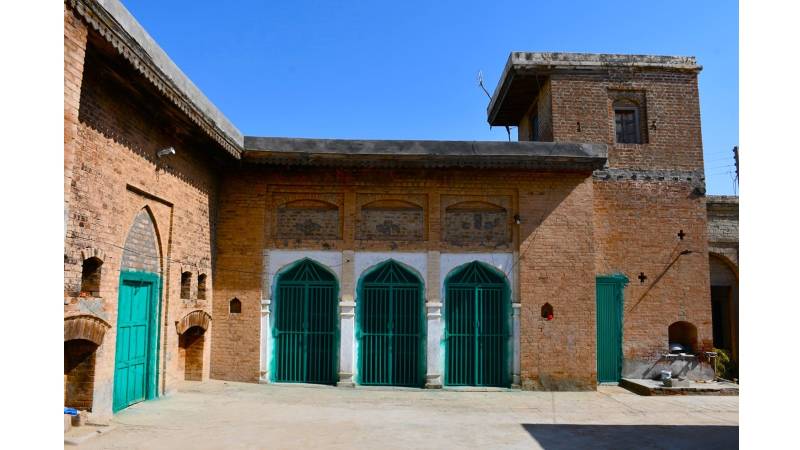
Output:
x,y
477,320
136,353
609,327
391,327
306,328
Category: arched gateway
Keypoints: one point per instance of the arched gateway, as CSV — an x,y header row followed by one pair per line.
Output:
x,y
391,327
477,312
306,325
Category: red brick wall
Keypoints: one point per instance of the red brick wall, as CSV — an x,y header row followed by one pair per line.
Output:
x,y
79,361
555,239
118,123
636,228
556,267
240,243
672,101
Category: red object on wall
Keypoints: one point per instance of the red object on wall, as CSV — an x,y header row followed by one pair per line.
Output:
x,y
549,317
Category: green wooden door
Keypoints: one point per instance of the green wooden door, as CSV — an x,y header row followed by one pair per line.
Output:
x,y
306,326
477,320
609,328
136,352
391,328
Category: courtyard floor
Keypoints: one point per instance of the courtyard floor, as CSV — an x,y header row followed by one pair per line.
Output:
x,y
226,415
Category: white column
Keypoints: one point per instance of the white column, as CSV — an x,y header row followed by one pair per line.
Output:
x,y
347,314
515,379
266,342
433,309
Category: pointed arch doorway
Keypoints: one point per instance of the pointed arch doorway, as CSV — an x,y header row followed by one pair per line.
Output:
x,y
306,327
138,311
477,313
391,327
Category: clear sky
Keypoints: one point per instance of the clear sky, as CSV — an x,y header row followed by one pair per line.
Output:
x,y
408,69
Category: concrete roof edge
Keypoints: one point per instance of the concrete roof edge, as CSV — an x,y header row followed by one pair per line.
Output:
x,y
722,200
432,148
150,59
564,59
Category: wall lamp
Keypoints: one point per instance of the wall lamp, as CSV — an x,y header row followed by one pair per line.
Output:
x,y
165,152
517,219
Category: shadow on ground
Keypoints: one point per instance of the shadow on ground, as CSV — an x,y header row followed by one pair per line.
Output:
x,y
706,437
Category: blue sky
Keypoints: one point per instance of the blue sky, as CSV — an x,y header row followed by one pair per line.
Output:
x,y
407,69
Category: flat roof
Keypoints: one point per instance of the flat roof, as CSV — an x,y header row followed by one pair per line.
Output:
x,y
525,71
549,156
118,26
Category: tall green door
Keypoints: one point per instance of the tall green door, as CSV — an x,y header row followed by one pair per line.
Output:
x,y
306,328
477,317
391,327
137,336
609,327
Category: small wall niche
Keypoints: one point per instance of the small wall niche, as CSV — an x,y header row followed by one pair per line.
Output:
x,y
547,311
235,306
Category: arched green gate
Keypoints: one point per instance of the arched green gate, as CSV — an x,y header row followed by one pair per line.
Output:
x,y
306,326
477,315
391,327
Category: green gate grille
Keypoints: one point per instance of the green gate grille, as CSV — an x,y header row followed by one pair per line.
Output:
x,y
476,328
306,325
391,325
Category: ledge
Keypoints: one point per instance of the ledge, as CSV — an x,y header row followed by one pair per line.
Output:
x,y
546,156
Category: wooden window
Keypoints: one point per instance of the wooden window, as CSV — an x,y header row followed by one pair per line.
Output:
x,y
626,121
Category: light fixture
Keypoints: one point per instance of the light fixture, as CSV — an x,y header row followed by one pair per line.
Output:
x,y
165,152
517,219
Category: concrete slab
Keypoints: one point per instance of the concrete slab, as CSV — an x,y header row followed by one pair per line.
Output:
x,y
238,415
79,435
687,387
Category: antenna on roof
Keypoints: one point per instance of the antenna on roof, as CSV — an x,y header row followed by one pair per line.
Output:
x,y
480,83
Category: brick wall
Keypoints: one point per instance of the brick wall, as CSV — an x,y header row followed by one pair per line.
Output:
x,y
555,239
636,228
557,267
723,227
79,361
583,112
115,122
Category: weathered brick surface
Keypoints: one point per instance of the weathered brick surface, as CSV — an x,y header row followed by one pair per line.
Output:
x,y
198,213
114,124
79,362
723,227
672,110
555,240
636,228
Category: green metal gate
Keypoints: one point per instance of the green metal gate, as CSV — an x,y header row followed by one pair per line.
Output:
x,y
306,326
136,357
477,317
609,327
391,327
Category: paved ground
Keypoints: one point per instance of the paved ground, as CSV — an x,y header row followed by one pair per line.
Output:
x,y
244,416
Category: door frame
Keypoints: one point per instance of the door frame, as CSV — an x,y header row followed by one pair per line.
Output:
x,y
620,281
154,334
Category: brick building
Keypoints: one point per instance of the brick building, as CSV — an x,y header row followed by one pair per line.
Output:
x,y
570,257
